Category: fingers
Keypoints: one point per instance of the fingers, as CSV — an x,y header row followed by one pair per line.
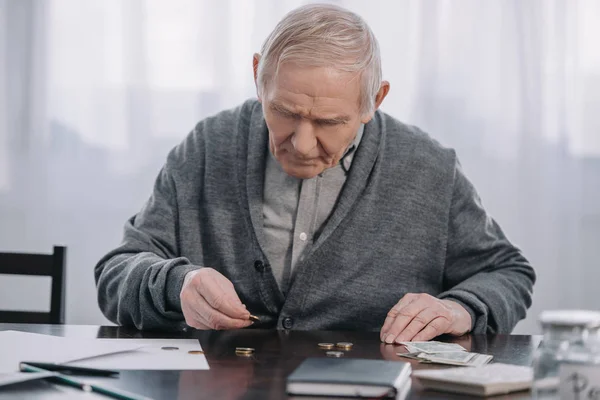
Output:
x,y
393,313
209,301
404,316
434,329
432,319
220,294
417,317
202,316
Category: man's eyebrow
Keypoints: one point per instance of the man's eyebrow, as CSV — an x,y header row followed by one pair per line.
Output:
x,y
341,119
280,108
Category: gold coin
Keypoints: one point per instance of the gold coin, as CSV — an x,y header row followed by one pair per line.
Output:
x,y
254,318
170,348
195,352
326,346
244,349
336,354
344,345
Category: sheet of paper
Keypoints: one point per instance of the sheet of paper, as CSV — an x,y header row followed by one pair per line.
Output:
x,y
18,377
24,346
150,356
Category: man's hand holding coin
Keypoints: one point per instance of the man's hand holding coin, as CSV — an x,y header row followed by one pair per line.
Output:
x,y
209,301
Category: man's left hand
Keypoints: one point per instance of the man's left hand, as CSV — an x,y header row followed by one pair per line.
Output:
x,y
420,317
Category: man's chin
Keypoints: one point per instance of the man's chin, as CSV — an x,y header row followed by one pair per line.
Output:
x,y
302,172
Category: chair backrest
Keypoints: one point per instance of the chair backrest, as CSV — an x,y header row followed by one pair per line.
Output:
x,y
52,265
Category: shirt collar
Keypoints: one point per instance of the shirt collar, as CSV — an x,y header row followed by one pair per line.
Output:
x,y
346,160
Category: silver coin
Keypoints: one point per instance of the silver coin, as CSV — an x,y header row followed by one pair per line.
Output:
x,y
170,348
336,354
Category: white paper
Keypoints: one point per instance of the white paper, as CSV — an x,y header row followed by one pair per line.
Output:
x,y
16,347
149,355
124,354
18,377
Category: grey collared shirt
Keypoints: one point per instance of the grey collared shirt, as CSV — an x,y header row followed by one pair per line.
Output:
x,y
295,211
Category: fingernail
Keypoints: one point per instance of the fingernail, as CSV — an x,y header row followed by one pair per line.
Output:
x,y
398,340
382,337
389,339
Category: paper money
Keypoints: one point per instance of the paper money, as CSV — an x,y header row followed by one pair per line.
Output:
x,y
432,347
414,356
444,353
458,358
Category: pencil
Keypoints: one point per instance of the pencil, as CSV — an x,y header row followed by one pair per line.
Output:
x,y
86,387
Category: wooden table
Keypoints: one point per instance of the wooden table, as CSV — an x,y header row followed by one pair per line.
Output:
x,y
277,354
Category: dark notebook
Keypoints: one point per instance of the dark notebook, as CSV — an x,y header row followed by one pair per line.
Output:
x,y
350,377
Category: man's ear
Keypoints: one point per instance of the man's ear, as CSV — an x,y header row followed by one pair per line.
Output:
x,y
255,61
384,89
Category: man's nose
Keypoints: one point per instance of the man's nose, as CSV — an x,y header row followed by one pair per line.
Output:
x,y
304,140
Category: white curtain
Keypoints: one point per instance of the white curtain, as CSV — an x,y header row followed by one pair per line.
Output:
x,y
94,93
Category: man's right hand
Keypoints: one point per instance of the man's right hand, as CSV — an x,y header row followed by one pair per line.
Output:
x,y
209,301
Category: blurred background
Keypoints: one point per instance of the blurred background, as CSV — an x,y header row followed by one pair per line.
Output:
x,y
94,93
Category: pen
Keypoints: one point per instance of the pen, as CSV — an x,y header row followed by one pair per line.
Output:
x,y
86,387
71,369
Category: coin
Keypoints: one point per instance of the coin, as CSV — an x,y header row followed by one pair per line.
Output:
x,y
326,346
170,348
244,351
344,345
336,354
254,318
195,352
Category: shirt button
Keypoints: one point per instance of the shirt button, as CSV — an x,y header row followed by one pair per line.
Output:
x,y
303,236
288,323
259,265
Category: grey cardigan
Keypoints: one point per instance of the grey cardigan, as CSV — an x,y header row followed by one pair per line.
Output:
x,y
407,221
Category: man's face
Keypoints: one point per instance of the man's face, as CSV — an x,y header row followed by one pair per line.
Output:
x,y
313,116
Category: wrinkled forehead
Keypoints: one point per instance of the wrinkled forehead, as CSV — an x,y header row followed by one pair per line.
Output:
x,y
315,88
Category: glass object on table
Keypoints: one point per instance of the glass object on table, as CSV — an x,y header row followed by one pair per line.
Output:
x,y
570,337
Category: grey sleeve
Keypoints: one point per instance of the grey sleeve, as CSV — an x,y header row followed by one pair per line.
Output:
x,y
139,282
484,272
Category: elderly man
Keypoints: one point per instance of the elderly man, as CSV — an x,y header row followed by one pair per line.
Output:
x,y
312,210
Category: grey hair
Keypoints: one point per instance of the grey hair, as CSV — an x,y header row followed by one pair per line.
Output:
x,y
324,35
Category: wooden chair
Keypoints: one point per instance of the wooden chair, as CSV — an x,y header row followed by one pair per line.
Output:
x,y
52,265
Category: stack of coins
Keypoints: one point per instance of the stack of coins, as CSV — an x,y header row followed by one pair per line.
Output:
x,y
244,351
344,345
